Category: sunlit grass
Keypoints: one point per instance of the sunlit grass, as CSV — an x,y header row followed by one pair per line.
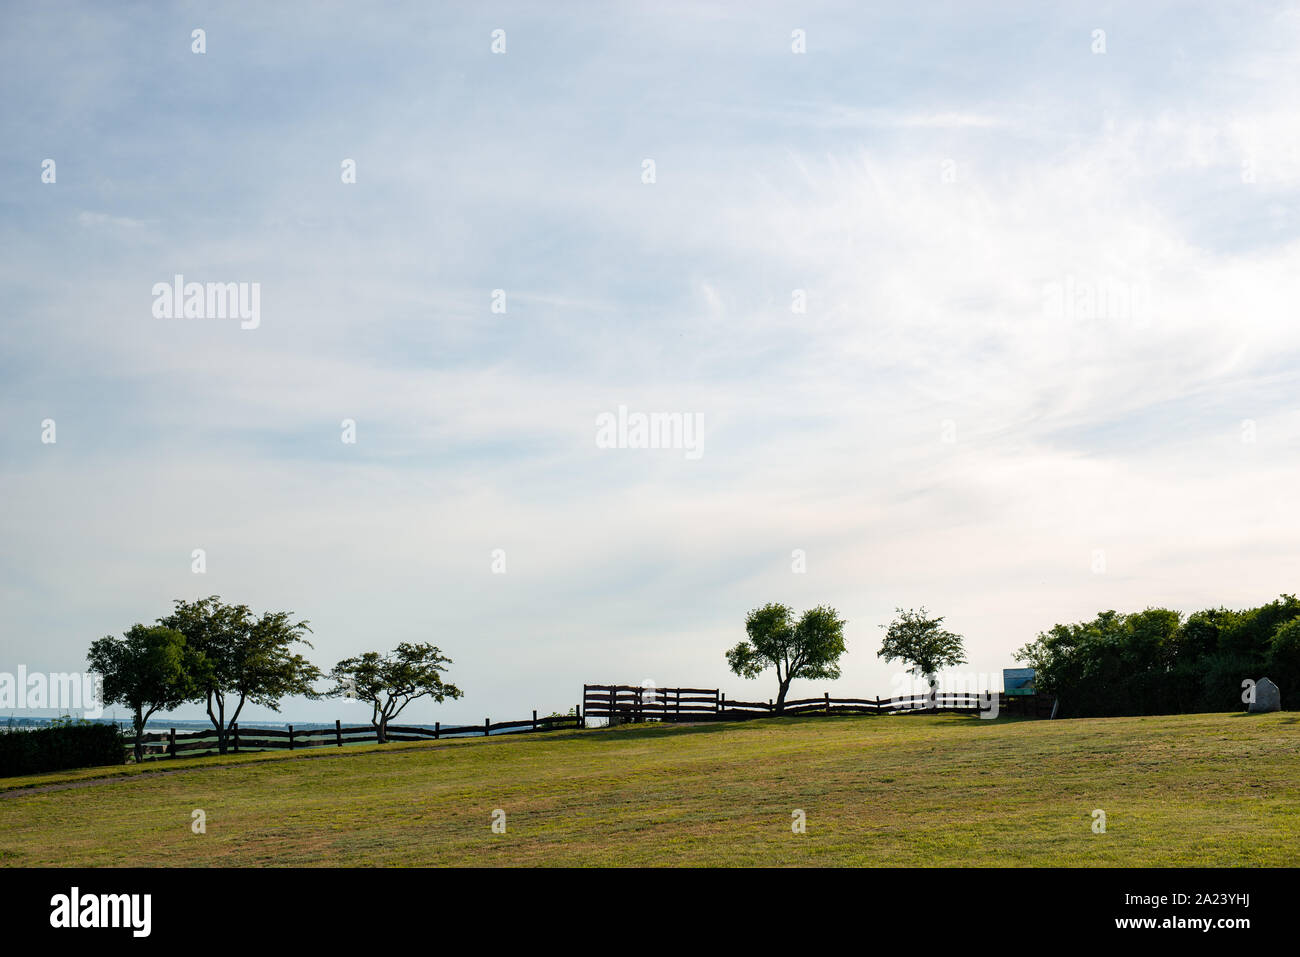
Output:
x,y
908,790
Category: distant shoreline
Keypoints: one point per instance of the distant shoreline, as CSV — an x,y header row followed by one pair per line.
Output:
x,y
154,726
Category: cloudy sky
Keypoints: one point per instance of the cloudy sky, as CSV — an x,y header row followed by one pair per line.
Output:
x,y
1046,362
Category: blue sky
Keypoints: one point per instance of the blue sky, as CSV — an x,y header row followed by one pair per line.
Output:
x,y
929,431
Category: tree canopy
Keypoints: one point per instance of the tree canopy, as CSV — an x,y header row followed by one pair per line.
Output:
x,y
241,658
1156,662
388,683
922,642
808,648
147,670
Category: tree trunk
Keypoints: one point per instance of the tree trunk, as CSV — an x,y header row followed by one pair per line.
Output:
x,y
780,697
381,731
139,730
218,721
226,723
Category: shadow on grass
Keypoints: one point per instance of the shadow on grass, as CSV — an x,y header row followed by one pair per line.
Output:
x,y
660,729
655,730
1286,717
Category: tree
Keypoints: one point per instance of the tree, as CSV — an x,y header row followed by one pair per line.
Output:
x,y
1156,662
921,642
242,659
1284,660
388,683
809,648
147,670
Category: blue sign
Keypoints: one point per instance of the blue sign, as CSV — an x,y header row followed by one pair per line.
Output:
x,y
1018,681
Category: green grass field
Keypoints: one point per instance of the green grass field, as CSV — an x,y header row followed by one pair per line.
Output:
x,y
938,790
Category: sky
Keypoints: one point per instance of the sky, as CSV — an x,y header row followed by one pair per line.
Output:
x,y
983,308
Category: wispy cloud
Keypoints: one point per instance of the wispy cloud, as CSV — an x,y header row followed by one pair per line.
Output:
x,y
1042,311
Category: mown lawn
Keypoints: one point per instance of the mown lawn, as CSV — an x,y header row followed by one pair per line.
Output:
x,y
938,790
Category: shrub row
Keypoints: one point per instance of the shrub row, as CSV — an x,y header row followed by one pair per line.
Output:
x,y
1158,662
60,746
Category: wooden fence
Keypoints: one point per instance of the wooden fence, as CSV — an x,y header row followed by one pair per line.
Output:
x,y
239,738
633,703
618,703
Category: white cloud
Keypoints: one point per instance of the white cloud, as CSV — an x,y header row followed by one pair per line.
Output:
x,y
927,303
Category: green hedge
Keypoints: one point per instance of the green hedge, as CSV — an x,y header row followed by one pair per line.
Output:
x,y
60,746
1158,662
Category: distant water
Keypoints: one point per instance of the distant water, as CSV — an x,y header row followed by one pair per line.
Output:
x,y
189,727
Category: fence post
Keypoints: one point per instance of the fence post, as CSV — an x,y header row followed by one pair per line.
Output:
x,y
677,707
171,742
828,702
724,701
338,732
613,708
290,737
235,728
577,710
487,727
437,729
534,719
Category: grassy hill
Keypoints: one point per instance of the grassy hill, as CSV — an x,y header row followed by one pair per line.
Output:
x,y
1218,789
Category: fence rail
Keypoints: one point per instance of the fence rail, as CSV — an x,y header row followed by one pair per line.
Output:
x,y
240,738
618,703
633,703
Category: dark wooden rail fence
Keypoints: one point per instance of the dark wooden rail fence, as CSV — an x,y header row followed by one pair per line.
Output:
x,y
618,703
622,703
240,738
